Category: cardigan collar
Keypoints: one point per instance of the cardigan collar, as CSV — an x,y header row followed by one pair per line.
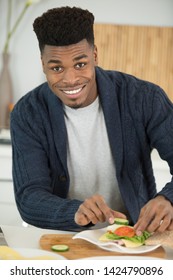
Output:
x,y
108,93
108,97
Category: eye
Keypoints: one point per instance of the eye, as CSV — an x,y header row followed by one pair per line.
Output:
x,y
80,65
57,69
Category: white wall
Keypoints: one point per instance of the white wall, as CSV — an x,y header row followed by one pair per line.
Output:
x,y
25,63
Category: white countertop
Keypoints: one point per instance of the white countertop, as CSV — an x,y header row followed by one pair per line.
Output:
x,y
28,237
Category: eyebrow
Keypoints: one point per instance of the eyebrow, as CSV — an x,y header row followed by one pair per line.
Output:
x,y
75,59
80,57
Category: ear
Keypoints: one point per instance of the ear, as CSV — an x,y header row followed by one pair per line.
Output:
x,y
43,66
95,53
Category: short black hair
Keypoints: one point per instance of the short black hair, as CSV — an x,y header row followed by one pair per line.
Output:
x,y
64,26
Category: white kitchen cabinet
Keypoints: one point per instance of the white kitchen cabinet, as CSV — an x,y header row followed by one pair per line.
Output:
x,y
5,162
161,170
9,214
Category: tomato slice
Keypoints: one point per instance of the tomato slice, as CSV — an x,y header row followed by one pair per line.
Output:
x,y
125,231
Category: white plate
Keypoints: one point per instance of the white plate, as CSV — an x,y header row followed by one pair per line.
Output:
x,y
94,235
120,258
36,253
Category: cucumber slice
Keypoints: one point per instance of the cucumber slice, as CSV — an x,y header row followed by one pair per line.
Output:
x,y
120,221
60,248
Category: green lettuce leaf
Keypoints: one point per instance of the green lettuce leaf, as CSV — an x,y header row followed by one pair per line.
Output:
x,y
136,239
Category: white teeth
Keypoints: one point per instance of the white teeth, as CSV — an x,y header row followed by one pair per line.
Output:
x,y
72,91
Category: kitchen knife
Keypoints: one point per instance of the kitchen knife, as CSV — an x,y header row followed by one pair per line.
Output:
x,y
3,241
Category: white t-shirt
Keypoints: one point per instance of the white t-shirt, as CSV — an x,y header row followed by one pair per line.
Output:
x,y
89,158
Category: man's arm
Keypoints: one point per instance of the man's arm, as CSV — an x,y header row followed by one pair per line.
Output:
x,y
34,182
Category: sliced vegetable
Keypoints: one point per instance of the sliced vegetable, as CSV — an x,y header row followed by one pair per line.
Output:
x,y
120,221
125,231
60,248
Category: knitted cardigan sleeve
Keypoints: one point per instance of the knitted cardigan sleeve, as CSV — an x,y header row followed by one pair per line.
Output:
x,y
36,171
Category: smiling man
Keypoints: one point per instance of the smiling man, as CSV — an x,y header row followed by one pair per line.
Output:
x,y
82,141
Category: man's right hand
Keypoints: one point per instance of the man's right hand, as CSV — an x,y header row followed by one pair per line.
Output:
x,y
94,210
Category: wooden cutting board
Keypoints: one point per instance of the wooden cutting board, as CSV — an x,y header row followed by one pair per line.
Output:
x,y
79,248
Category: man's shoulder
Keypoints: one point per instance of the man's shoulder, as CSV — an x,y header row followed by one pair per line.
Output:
x,y
119,76
125,82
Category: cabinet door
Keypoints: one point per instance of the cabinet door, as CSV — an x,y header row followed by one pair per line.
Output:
x,y
5,162
9,214
161,171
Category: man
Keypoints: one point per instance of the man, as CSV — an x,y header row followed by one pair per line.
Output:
x,y
82,140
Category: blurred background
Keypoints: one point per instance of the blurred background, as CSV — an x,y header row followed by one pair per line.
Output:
x,y
25,66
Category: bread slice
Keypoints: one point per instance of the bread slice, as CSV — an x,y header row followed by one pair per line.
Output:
x,y
130,244
165,238
122,242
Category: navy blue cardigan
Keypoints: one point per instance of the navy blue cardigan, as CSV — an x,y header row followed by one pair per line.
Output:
x,y
138,116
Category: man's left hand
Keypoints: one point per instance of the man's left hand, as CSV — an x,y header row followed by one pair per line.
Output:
x,y
155,216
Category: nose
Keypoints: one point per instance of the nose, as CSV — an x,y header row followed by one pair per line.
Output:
x,y
70,76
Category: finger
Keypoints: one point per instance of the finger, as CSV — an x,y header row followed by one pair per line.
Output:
x,y
161,221
100,208
149,219
155,216
95,216
164,224
106,211
93,213
143,222
81,219
171,225
155,224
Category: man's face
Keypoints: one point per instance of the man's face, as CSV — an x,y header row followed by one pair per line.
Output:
x,y
70,72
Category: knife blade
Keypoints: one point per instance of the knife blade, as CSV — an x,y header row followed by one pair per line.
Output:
x,y
3,241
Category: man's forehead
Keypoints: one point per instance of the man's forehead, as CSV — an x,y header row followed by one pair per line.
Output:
x,y
75,51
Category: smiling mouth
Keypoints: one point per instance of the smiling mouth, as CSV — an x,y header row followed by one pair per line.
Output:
x,y
73,92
